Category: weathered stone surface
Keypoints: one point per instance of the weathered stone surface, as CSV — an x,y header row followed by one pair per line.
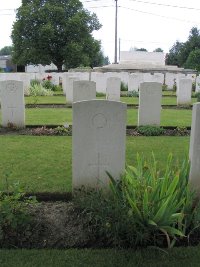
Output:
x,y
194,154
99,134
12,103
113,89
134,81
84,90
184,91
149,103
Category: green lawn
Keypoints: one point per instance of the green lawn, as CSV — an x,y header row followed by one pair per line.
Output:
x,y
62,100
60,116
45,99
176,257
43,163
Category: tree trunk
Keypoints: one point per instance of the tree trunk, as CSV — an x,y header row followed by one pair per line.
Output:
x,y
59,67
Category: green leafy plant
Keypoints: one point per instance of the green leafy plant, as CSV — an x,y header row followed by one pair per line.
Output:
x,y
99,94
14,215
164,87
197,95
39,90
146,207
132,94
150,130
62,130
124,87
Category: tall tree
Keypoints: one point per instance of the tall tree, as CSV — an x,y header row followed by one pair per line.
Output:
x,y
172,58
180,52
158,50
193,60
6,50
58,31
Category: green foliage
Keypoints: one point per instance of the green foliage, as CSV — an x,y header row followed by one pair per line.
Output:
x,y
14,216
193,60
132,94
185,54
123,87
172,58
164,87
158,50
150,130
55,31
141,49
6,50
47,84
147,207
99,94
63,130
39,90
197,95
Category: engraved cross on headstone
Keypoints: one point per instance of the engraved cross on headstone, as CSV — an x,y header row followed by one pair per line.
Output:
x,y
99,164
12,110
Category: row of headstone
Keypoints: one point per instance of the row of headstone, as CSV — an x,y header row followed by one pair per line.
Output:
x,y
150,95
99,128
78,90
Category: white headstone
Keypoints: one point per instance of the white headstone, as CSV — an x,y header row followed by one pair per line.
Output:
x,y
99,134
194,154
170,80
150,96
100,79
113,89
69,88
158,78
184,92
12,103
84,90
197,84
134,81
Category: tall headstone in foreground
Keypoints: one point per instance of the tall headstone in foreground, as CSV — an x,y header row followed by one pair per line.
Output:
x,y
98,142
12,103
113,89
84,90
195,149
184,92
150,96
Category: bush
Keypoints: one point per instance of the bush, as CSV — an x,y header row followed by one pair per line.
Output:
x,y
147,207
132,94
197,95
99,94
164,87
39,90
14,216
50,86
150,130
124,87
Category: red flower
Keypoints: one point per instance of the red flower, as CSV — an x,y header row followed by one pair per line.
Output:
x,y
49,77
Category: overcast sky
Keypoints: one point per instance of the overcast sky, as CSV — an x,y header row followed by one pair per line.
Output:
x,y
141,23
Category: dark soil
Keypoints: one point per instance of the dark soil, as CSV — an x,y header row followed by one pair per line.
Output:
x,y
54,225
61,225
61,131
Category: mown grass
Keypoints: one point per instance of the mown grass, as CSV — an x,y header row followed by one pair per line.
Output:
x,y
60,116
43,163
62,100
176,257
